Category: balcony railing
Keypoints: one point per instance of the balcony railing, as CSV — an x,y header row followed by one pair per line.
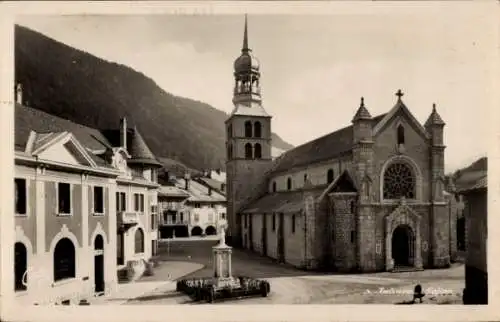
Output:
x,y
174,222
127,218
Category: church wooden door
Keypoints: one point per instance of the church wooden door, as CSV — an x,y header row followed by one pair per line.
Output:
x,y
264,235
281,238
250,232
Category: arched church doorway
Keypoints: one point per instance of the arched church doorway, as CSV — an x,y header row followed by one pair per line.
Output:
x,y
402,246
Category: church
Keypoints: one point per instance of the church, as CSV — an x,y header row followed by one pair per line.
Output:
x,y
367,197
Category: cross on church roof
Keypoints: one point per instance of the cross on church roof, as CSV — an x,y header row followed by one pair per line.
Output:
x,y
399,94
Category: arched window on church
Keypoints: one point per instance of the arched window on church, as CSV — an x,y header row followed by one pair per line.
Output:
x,y
289,183
401,134
353,207
248,129
229,131
399,181
257,151
257,129
248,151
329,176
229,151
274,186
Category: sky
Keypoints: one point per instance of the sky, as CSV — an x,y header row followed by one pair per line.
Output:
x,y
314,68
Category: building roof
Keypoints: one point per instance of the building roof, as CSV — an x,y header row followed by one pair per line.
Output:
x,y
215,184
29,119
362,113
479,184
47,126
172,191
199,192
434,118
280,202
136,146
249,109
326,147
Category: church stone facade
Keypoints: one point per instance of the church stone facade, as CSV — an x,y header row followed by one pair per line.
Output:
x,y
368,197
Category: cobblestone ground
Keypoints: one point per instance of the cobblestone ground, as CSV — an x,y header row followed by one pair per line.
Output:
x,y
293,286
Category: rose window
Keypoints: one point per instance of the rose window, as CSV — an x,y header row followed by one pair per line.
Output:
x,y
399,181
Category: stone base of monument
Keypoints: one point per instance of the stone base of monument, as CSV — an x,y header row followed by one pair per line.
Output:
x,y
222,285
212,289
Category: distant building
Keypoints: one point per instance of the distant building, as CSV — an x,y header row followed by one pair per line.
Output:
x,y
476,222
214,181
85,206
190,208
366,197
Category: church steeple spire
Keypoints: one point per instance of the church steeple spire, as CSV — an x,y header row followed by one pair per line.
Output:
x,y
245,37
246,74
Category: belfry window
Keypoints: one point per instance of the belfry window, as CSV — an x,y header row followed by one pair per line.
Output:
x,y
257,129
289,183
248,129
229,131
274,186
399,181
229,151
257,151
248,151
329,176
401,135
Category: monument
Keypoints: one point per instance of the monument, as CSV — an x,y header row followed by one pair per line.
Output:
x,y
222,264
222,285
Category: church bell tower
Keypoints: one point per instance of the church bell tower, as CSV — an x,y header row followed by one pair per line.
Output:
x,y
248,140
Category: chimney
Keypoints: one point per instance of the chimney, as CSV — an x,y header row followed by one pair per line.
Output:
x,y
223,187
187,178
123,133
209,191
19,93
218,171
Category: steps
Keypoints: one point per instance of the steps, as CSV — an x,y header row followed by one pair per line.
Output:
x,y
401,269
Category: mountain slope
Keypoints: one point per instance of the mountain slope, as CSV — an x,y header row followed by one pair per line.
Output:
x,y
80,87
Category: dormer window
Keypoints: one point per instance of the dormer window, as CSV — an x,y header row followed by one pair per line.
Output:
x,y
401,135
248,129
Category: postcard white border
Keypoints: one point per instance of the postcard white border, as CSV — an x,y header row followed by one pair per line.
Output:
x,y
371,312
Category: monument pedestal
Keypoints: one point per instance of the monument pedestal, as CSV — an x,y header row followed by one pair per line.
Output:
x,y
222,266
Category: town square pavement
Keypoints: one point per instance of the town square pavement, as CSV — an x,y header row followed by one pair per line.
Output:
x,y
193,258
